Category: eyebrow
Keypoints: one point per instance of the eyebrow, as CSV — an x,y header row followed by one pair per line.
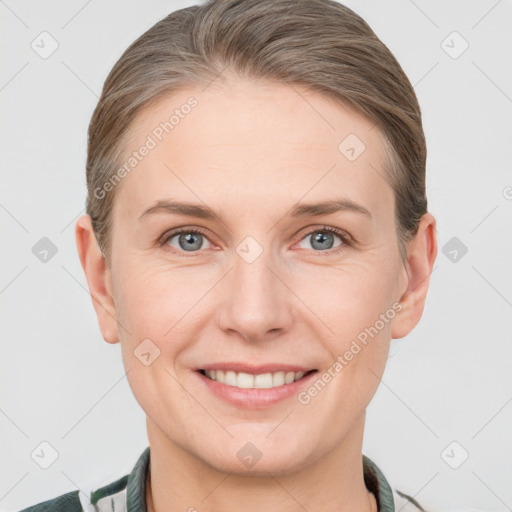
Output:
x,y
180,208
327,207
299,210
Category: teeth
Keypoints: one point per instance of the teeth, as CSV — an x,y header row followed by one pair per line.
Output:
x,y
244,380
230,378
247,380
289,377
278,379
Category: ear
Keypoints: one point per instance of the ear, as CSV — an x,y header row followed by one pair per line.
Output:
x,y
421,254
98,277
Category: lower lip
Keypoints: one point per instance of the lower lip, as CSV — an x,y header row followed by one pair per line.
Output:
x,y
253,398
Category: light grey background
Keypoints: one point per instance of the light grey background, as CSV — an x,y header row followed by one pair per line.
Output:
x,y
450,380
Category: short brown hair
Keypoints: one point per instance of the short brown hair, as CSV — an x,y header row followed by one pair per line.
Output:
x,y
318,44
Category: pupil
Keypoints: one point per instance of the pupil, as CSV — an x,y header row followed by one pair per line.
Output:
x,y
191,241
321,238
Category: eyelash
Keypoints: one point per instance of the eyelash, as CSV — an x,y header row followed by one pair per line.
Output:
x,y
346,240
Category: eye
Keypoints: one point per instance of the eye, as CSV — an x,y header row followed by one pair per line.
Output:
x,y
193,240
188,240
321,239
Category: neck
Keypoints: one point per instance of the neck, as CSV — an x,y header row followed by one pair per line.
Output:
x,y
179,481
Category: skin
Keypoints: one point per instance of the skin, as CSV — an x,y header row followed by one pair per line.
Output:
x,y
251,151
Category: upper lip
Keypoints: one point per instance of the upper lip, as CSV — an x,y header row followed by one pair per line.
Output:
x,y
256,369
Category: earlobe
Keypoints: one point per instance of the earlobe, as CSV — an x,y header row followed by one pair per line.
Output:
x,y
421,255
98,277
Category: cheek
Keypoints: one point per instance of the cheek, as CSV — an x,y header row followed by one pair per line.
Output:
x,y
358,309
151,301
351,297
170,306
152,306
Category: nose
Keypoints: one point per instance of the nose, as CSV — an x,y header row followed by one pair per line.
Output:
x,y
256,304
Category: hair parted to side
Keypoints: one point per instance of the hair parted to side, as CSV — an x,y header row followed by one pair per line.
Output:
x,y
320,45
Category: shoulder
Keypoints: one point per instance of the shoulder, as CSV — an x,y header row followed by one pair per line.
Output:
x,y
72,502
389,499
103,497
69,502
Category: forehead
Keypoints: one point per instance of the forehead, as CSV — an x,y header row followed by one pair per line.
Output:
x,y
239,142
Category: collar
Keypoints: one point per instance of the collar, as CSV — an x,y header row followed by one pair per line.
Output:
x,y
128,493
376,483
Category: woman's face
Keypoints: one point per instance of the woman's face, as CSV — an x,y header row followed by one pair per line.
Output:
x,y
260,288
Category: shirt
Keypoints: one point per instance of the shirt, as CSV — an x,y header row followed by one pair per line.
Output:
x,y
128,493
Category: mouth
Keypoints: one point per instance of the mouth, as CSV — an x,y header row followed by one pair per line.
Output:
x,y
243,380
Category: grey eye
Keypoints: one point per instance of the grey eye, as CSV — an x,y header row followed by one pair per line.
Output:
x,y
188,240
321,240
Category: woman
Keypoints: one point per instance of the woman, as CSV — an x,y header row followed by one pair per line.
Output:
x,y
256,234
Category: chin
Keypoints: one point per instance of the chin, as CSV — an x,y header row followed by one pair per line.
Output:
x,y
274,464
255,458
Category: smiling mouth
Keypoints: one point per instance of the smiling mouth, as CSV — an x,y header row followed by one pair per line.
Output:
x,y
251,381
